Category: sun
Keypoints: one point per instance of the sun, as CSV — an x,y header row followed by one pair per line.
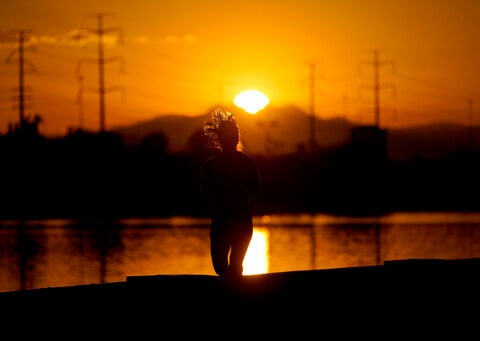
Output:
x,y
252,101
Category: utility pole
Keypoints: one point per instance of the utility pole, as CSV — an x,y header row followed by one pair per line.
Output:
x,y
312,141
101,61
376,63
80,102
21,73
470,125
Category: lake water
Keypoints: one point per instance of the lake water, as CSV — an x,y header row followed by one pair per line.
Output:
x,y
52,253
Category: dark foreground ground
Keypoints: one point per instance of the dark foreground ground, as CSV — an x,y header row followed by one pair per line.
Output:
x,y
409,299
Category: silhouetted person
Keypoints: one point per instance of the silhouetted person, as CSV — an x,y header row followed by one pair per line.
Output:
x,y
231,181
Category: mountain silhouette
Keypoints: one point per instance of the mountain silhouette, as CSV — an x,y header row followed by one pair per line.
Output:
x,y
286,129
435,141
274,130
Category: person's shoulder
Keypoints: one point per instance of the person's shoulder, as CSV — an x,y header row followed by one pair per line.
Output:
x,y
243,155
246,157
210,160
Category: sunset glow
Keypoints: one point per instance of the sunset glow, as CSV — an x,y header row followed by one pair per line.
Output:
x,y
182,58
252,101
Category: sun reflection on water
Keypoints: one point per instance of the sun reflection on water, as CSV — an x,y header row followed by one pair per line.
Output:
x,y
256,258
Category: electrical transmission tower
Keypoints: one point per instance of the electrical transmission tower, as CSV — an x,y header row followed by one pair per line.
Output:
x,y
313,142
376,63
24,67
470,125
101,61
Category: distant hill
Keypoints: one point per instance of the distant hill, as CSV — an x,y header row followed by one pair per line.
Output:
x,y
177,129
277,130
274,130
430,141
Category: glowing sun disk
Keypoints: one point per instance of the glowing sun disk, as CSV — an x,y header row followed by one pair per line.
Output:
x,y
252,101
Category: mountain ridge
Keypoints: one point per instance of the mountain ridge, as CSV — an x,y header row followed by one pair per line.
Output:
x,y
286,129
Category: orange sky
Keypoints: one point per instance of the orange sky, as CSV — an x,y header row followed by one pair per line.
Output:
x,y
185,56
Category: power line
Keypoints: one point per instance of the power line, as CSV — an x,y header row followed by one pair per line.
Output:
x,y
80,102
22,70
312,107
470,125
101,61
376,63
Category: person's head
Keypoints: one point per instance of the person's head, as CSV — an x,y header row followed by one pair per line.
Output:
x,y
228,134
223,130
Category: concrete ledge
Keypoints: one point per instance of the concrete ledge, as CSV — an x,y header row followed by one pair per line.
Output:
x,y
399,295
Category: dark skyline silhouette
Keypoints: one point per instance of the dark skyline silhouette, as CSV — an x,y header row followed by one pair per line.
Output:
x,y
90,175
